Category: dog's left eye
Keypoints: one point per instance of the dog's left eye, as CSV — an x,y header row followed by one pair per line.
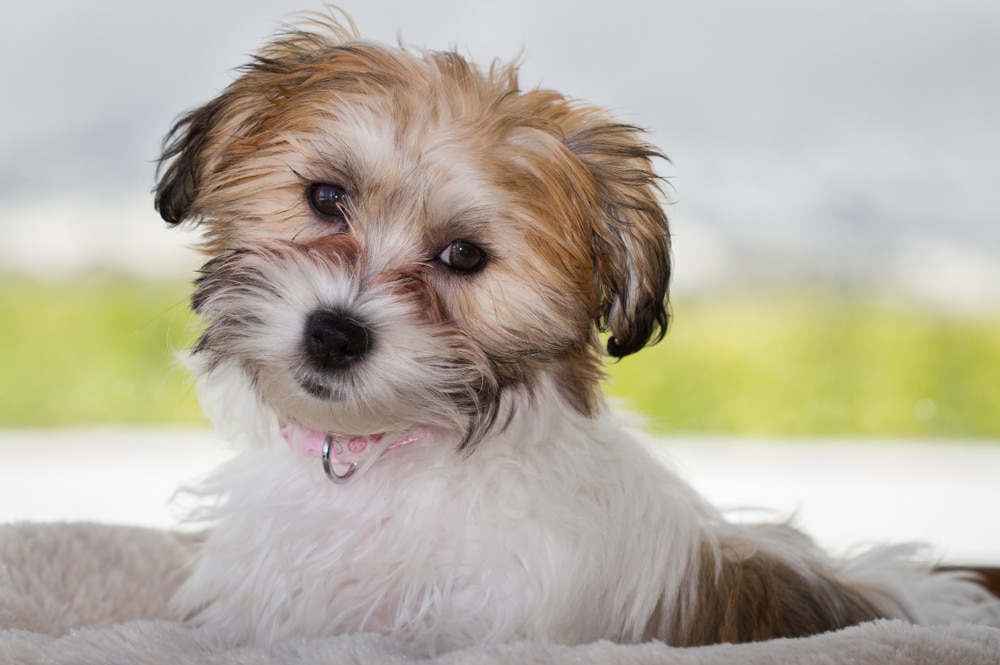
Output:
x,y
328,200
463,256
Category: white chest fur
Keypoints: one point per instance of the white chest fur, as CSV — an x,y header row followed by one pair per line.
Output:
x,y
565,531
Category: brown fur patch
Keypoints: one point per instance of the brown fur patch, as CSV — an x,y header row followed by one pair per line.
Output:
x,y
344,248
578,377
413,282
755,596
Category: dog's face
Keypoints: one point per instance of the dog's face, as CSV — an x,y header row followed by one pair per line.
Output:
x,y
398,238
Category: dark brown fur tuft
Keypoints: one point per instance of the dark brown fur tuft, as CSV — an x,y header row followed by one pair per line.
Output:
x,y
631,235
756,596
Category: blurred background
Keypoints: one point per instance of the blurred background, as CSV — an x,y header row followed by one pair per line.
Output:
x,y
833,175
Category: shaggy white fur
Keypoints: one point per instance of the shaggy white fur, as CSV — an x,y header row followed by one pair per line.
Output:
x,y
560,529
446,550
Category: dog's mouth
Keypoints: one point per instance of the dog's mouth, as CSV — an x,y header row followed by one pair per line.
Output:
x,y
344,456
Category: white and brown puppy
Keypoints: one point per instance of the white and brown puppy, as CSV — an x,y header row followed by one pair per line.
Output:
x,y
410,262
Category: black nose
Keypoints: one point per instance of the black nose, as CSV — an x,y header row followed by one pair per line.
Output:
x,y
333,340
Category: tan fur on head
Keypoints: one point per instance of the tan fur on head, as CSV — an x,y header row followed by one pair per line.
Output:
x,y
580,186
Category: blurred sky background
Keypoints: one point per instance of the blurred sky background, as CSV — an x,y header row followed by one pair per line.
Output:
x,y
853,141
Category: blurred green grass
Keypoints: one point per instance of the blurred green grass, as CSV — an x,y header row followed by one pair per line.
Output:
x,y
98,349
818,363
102,350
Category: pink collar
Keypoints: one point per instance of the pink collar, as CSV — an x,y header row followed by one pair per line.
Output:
x,y
353,452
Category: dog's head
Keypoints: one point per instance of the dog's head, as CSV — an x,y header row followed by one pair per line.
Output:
x,y
398,237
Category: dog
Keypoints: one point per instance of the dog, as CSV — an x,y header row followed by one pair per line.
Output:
x,y
415,271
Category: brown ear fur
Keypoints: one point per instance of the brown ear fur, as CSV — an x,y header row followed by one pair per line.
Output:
x,y
632,239
183,155
197,141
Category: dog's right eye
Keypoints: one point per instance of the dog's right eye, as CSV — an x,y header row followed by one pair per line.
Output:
x,y
327,201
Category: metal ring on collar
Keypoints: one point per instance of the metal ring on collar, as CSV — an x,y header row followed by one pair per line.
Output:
x,y
340,479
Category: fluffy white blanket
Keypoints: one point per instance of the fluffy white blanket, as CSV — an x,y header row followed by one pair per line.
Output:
x,y
84,593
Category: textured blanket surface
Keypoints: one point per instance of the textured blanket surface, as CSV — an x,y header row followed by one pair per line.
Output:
x,y
882,642
84,593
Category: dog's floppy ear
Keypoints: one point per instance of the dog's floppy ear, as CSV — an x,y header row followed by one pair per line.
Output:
x,y
632,240
183,162
202,141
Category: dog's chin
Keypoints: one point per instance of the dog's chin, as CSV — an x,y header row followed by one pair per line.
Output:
x,y
330,408
341,416
322,389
